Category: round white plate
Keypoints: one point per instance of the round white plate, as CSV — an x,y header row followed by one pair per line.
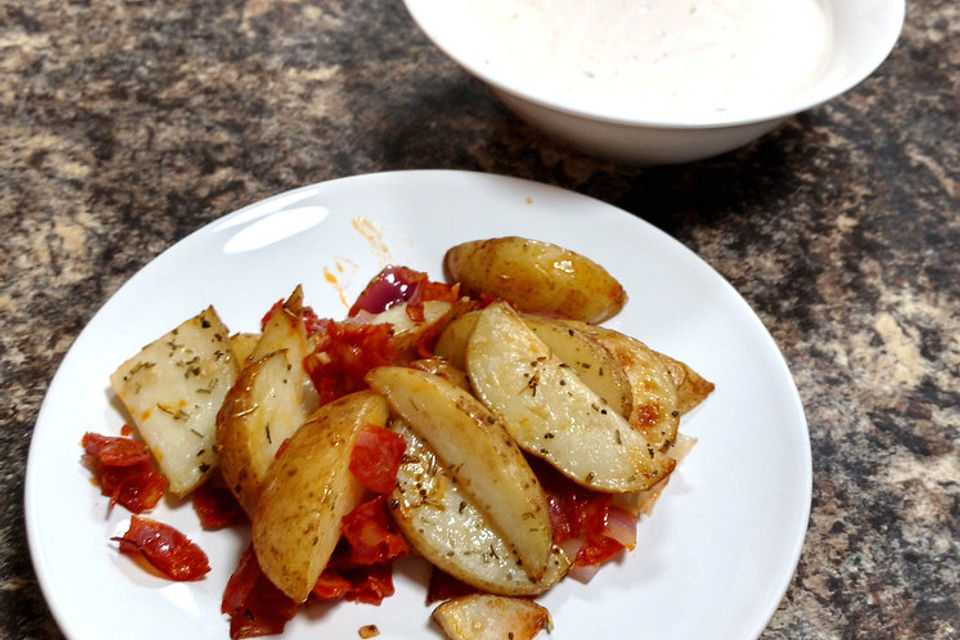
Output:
x,y
712,562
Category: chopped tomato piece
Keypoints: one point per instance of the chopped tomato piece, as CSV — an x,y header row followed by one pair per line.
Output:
x,y
124,470
370,535
331,585
597,549
217,507
344,353
255,606
166,549
370,584
376,457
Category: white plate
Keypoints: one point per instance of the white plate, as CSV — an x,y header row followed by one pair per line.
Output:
x,y
712,562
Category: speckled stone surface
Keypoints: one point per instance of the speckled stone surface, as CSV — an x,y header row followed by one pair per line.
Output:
x,y
126,124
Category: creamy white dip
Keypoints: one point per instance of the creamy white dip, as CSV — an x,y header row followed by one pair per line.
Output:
x,y
700,60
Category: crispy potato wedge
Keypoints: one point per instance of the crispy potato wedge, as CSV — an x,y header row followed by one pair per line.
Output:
x,y
268,402
262,409
173,389
488,617
441,522
443,368
536,276
308,491
692,388
478,451
551,413
654,408
593,363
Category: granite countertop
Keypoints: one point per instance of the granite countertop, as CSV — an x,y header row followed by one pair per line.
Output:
x,y
128,124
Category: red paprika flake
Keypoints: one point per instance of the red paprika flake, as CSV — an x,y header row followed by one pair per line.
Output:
x,y
166,549
376,457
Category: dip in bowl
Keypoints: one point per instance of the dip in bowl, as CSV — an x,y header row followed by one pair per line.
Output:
x,y
662,81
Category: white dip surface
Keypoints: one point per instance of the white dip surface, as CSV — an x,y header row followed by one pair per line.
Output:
x,y
669,60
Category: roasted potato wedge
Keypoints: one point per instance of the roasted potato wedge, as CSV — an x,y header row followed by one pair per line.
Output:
x,y
654,407
598,369
477,450
592,363
536,276
487,617
443,368
551,413
308,491
173,389
441,522
285,330
262,409
692,388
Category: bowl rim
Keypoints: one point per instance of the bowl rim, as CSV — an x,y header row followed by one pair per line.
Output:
x,y
821,93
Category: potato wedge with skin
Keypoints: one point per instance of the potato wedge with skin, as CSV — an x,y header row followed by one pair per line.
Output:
x,y
654,409
536,276
262,409
173,389
488,617
441,522
452,343
598,369
308,491
443,368
285,330
551,413
692,388
480,454
592,363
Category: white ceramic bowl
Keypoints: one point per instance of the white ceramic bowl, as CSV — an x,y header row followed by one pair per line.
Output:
x,y
859,35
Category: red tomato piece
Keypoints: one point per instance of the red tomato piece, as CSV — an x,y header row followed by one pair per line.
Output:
x,y
124,470
331,585
376,457
255,606
217,507
115,451
344,354
370,584
166,549
368,531
597,549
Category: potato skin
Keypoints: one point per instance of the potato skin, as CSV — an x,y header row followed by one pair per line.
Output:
x,y
536,276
